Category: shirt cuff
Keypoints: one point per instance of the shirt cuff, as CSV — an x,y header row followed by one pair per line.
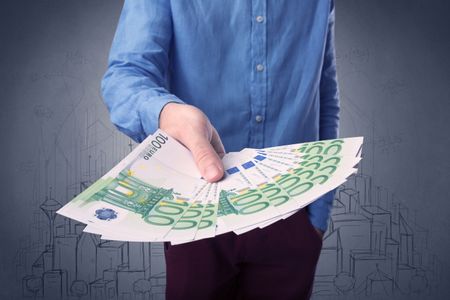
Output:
x,y
150,110
319,211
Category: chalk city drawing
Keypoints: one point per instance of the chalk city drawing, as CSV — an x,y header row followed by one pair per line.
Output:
x,y
59,261
374,247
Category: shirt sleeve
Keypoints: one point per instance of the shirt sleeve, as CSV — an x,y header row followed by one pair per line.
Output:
x,y
319,211
134,85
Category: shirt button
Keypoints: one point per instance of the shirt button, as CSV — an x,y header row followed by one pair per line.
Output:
x,y
259,67
259,19
258,118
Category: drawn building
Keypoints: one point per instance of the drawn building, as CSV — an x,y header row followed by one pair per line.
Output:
x,y
373,247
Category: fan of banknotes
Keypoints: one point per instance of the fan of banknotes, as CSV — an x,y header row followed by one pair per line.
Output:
x,y
156,193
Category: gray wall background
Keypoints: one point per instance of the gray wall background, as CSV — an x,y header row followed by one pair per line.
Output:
x,y
388,238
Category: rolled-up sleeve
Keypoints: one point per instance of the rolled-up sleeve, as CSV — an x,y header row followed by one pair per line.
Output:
x,y
319,211
134,85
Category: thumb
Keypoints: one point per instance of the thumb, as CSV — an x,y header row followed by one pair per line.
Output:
x,y
206,158
216,143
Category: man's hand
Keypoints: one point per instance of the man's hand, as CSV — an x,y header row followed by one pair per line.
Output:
x,y
191,127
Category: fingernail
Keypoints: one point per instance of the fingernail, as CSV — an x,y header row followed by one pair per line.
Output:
x,y
211,172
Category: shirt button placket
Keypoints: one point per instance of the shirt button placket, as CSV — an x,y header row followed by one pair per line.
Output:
x,y
259,76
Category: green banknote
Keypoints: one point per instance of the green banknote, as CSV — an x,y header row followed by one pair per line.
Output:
x,y
156,193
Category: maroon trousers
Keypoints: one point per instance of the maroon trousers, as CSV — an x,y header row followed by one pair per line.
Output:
x,y
276,262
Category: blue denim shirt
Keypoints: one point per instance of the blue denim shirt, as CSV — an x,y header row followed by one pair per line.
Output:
x,y
263,71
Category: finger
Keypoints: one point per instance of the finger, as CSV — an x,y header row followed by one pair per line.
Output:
x,y
206,158
216,142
